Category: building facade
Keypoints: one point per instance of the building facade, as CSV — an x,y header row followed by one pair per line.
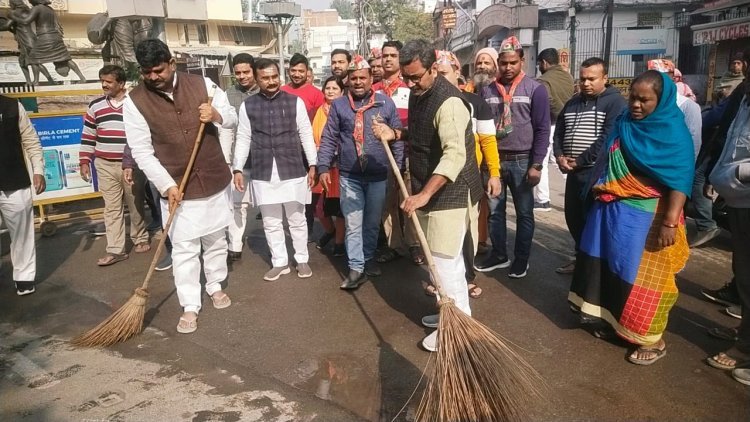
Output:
x,y
723,28
202,45
324,31
485,23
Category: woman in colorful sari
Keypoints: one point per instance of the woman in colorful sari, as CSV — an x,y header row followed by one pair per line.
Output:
x,y
332,89
634,240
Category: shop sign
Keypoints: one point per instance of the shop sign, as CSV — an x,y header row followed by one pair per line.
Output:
x,y
642,41
722,33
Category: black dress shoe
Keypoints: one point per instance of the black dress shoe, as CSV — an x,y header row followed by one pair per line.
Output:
x,y
234,256
353,280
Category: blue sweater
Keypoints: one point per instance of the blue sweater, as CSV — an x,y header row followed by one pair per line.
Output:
x,y
338,137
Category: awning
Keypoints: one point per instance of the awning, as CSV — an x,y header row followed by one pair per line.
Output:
x,y
718,5
223,51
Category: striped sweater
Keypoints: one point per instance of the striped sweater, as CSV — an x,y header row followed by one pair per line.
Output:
x,y
585,123
103,132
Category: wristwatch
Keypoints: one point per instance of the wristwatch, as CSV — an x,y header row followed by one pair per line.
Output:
x,y
537,166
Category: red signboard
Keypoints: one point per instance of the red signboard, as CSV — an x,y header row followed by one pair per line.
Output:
x,y
722,33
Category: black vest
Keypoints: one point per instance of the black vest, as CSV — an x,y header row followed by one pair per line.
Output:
x,y
13,172
425,150
274,125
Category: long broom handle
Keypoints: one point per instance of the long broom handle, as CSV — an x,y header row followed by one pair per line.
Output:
x,y
180,191
415,222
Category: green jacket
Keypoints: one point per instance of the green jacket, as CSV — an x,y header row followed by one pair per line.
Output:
x,y
559,86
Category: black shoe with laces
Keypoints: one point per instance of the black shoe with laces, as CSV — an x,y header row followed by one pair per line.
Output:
x,y
372,268
727,295
339,250
24,288
323,240
491,262
519,268
353,280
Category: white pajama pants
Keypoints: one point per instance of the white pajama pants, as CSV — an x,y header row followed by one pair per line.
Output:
x,y
17,213
240,201
453,277
541,191
187,266
273,217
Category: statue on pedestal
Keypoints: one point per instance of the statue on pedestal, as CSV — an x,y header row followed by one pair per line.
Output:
x,y
25,38
48,46
119,36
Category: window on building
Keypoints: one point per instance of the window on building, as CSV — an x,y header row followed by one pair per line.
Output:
x,y
649,19
194,33
552,21
239,35
202,34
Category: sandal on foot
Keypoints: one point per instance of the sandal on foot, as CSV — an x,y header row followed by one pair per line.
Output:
x,y
474,290
658,354
417,256
186,326
142,247
430,290
221,302
727,360
387,256
724,333
111,258
568,268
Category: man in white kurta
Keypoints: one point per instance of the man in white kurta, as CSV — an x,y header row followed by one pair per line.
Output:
x,y
161,123
274,126
19,142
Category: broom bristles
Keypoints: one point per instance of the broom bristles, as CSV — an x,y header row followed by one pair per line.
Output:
x,y
476,376
120,326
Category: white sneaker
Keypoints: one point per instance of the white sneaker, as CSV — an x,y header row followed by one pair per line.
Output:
x,y
430,342
431,321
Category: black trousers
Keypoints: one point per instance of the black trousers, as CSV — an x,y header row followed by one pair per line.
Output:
x,y
739,224
577,202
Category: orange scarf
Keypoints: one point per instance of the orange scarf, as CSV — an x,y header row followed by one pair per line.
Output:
x,y
505,124
390,87
359,126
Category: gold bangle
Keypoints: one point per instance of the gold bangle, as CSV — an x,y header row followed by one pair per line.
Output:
x,y
671,226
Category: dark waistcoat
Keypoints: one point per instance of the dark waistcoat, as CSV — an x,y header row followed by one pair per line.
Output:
x,y
13,172
425,150
274,125
174,126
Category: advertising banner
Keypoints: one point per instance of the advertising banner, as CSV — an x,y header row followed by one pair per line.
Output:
x,y
61,142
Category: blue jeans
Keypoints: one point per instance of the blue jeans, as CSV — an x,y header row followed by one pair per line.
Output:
x,y
703,206
362,206
514,177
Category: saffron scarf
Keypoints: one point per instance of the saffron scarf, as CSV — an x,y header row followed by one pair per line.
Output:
x,y
359,126
390,88
505,123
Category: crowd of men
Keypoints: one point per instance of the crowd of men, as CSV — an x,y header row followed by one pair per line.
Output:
x,y
459,151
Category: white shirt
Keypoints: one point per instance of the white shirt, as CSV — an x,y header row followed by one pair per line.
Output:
x,y
196,217
693,120
139,135
277,191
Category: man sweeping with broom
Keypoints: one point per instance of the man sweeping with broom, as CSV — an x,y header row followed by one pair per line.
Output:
x,y
445,180
163,116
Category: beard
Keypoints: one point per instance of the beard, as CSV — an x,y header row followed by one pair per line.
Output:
x,y
482,79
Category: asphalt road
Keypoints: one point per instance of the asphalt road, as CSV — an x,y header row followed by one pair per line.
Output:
x,y
302,350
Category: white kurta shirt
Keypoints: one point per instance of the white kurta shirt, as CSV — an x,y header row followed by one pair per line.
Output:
x,y
277,191
195,217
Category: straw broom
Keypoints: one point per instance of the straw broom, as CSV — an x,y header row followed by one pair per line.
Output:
x,y
476,376
127,321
